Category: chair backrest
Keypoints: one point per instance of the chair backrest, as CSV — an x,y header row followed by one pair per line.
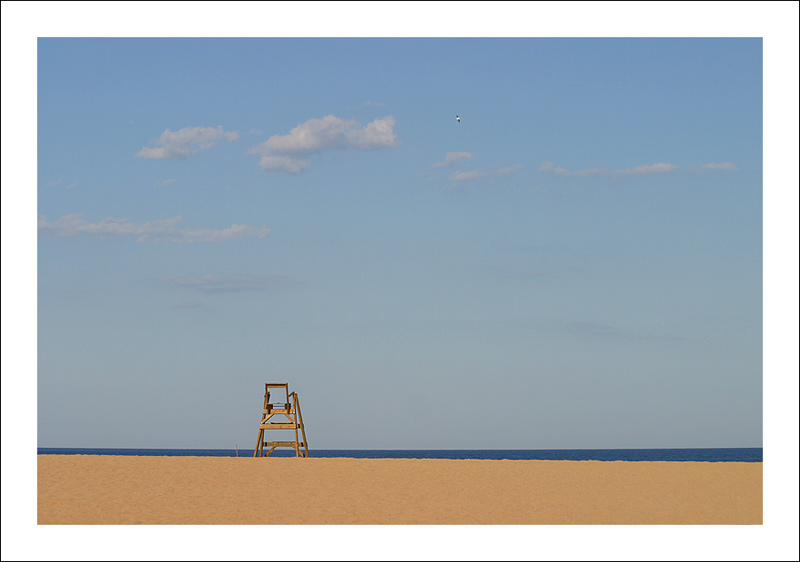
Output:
x,y
277,385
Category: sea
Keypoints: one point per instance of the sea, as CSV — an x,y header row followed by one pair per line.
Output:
x,y
635,455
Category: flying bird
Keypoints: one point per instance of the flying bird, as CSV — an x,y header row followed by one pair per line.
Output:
x,y
458,118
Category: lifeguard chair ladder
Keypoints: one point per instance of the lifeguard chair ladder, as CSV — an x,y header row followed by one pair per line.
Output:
x,y
289,409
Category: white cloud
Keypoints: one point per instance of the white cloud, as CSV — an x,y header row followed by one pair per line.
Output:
x,y
550,167
185,142
287,153
451,158
162,230
646,169
507,170
721,166
285,163
60,181
227,284
583,173
471,175
374,104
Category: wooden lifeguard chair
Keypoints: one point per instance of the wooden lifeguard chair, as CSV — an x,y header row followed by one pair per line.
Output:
x,y
289,409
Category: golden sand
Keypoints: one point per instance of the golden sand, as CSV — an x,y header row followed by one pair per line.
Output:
x,y
124,490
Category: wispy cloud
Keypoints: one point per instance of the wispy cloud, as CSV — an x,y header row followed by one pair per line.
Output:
x,y
721,166
596,330
162,230
288,153
500,172
211,284
583,328
373,104
472,175
60,181
165,183
185,142
646,169
189,304
451,158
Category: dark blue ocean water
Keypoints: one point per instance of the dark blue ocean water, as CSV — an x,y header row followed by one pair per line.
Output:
x,y
680,455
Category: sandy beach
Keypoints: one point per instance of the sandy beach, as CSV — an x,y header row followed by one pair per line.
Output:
x,y
125,490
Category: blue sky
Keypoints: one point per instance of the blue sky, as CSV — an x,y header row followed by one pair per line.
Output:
x,y
577,263
582,249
